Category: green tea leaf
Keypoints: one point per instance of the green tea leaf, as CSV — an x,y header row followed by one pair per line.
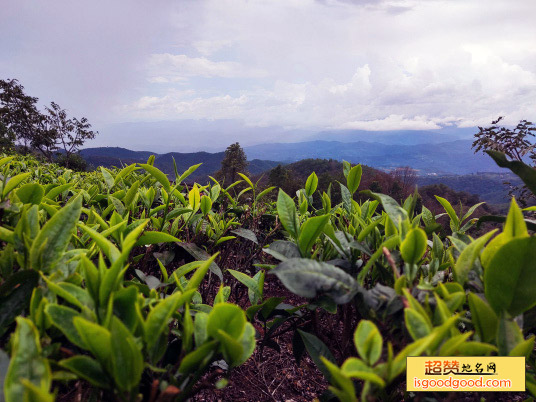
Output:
x,y
54,237
31,193
198,358
417,326
124,172
105,245
87,368
127,359
263,193
26,362
228,318
515,226
97,339
200,273
14,182
206,204
248,344
71,293
483,317
246,179
509,335
468,256
286,209
157,320
283,250
151,237
523,348
55,191
246,234
62,318
344,388
355,368
354,178
310,230
414,246
346,198
450,211
391,207
158,175
311,184
188,172
368,341
510,277
247,281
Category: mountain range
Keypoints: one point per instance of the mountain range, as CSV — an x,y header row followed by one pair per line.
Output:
x,y
211,162
453,157
188,135
437,158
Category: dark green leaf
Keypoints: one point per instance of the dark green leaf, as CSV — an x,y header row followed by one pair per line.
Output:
x,y
15,294
309,278
510,277
246,234
201,255
524,171
391,207
310,230
483,317
316,348
87,368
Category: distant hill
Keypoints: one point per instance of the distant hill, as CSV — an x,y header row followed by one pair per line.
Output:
x,y
489,187
392,137
454,157
333,168
293,176
211,162
331,171
115,152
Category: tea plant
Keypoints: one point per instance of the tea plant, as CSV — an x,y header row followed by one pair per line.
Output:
x,y
141,287
68,242
449,296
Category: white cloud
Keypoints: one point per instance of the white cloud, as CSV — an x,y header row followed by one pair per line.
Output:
x,y
176,67
295,63
208,47
393,122
356,64
416,94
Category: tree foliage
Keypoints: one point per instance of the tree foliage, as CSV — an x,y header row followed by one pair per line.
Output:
x,y
51,133
19,115
517,144
234,162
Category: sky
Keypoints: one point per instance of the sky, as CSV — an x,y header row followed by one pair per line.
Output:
x,y
272,68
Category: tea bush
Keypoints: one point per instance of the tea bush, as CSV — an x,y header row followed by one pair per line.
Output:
x,y
91,289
